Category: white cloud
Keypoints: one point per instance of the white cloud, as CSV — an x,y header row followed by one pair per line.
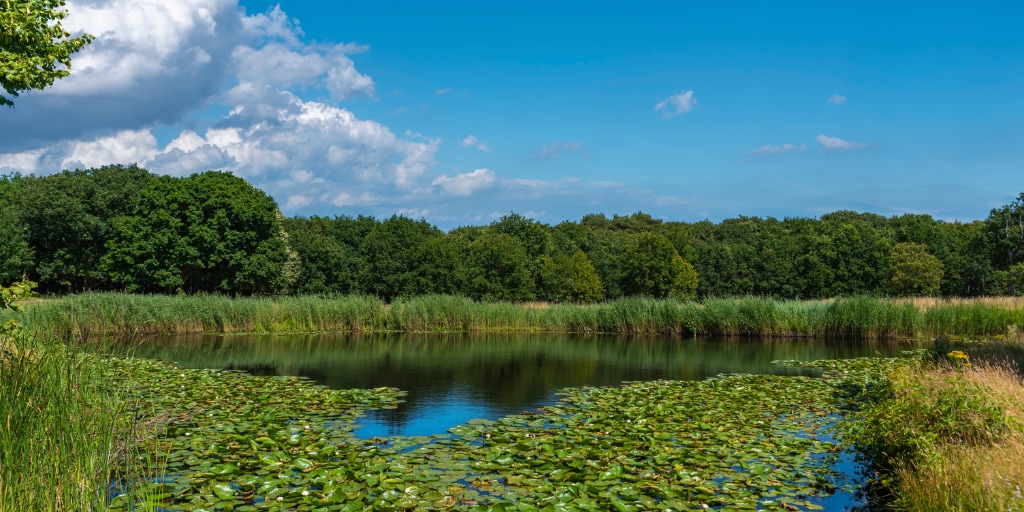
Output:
x,y
298,201
279,66
837,99
768,150
677,104
234,76
152,61
156,61
131,146
835,144
442,92
555,149
347,199
25,161
466,183
471,141
293,149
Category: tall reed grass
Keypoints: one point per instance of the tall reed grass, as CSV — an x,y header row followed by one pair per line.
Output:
x,y
122,316
58,428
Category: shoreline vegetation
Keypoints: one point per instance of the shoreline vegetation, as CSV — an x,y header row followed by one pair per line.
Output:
x,y
939,431
95,317
945,432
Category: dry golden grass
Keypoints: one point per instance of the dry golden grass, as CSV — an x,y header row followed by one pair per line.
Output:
x,y
1004,383
924,303
979,477
968,479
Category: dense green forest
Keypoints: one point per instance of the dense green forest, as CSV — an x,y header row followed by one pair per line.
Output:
x,y
124,228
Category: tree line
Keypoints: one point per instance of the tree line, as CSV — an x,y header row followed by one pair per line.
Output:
x,y
123,228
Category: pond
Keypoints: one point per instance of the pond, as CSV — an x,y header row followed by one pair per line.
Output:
x,y
461,389
451,379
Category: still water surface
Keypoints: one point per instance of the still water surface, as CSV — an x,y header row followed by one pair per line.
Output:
x,y
451,379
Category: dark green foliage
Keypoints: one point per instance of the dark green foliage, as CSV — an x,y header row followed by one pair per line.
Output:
x,y
59,230
326,265
442,265
69,217
653,268
570,279
968,272
534,237
914,271
498,269
1005,231
210,232
390,266
16,257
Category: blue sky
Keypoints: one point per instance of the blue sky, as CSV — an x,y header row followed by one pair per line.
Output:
x,y
461,112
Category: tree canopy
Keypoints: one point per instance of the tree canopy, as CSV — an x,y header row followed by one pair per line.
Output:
x,y
122,228
210,232
35,49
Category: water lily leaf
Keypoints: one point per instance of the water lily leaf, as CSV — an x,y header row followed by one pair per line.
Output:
x,y
223,491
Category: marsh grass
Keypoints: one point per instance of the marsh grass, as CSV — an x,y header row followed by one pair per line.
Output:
x,y
950,435
58,428
1004,302
966,475
98,316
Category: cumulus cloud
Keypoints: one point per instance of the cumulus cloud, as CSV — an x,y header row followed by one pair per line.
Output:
x,y
835,144
235,77
837,99
676,105
466,183
156,61
279,66
768,150
555,149
152,62
471,141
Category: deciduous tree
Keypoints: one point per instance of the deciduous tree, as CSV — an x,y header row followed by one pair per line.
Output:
x,y
914,271
35,49
652,267
389,252
1005,226
209,232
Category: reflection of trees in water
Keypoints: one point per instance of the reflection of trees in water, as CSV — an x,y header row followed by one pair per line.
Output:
x,y
508,372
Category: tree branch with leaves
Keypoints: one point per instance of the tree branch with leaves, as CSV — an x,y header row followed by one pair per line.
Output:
x,y
35,50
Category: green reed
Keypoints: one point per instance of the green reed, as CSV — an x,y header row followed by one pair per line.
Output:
x,y
59,433
111,315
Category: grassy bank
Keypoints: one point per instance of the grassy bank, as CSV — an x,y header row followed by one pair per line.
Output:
x,y
104,315
59,438
948,435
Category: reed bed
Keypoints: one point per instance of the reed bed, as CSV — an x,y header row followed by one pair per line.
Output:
x,y
58,432
1005,302
123,316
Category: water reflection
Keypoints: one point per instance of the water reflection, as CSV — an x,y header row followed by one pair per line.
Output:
x,y
453,378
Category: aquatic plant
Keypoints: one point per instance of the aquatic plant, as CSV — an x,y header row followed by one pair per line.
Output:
x,y
228,440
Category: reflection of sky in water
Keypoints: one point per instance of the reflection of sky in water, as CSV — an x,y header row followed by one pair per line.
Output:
x,y
432,415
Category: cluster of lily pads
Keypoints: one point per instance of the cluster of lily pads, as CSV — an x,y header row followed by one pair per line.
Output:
x,y
222,440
